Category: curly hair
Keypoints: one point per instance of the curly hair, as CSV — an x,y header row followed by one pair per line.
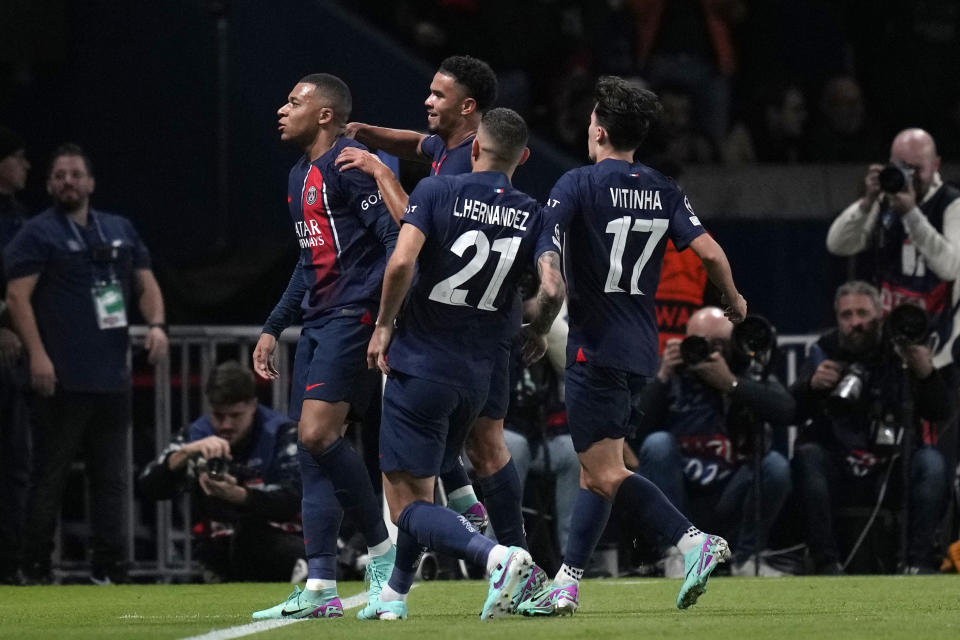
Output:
x,y
625,111
475,75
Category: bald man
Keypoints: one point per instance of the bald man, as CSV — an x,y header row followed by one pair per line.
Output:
x,y
918,242
699,442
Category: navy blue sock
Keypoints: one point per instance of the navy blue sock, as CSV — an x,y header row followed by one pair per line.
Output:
x,y
321,514
440,529
455,478
641,502
405,566
353,488
590,515
503,495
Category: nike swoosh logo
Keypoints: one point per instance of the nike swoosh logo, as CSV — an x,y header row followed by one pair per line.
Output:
x,y
285,613
314,386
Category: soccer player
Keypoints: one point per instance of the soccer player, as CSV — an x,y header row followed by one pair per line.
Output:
x,y
345,235
461,90
617,215
468,236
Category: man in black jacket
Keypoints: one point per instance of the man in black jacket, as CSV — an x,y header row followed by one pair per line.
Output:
x,y
240,461
697,430
849,392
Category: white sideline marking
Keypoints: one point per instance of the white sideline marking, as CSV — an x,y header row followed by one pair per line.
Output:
x,y
265,625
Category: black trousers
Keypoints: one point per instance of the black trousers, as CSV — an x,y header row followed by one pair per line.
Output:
x,y
256,552
14,463
65,425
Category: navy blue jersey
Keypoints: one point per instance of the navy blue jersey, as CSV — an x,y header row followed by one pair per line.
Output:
x,y
617,217
85,357
447,162
345,234
480,234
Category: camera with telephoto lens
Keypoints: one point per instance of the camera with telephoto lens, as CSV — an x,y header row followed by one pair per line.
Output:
x,y
907,324
849,390
694,350
753,344
214,467
894,178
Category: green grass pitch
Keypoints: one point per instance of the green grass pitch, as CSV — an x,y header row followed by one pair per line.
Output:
x,y
917,607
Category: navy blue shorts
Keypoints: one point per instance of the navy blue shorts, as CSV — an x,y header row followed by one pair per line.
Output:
x,y
600,403
331,365
424,424
498,396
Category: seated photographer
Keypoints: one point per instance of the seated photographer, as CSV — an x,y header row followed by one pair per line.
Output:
x,y
700,419
851,396
240,462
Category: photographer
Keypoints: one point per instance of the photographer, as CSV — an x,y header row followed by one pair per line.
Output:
x,y
910,220
240,462
700,416
850,392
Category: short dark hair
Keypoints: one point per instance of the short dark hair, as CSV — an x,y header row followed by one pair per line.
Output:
x,y
625,111
506,131
229,383
475,76
70,149
333,89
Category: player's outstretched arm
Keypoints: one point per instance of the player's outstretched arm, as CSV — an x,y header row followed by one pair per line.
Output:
x,y
718,270
549,299
402,143
394,197
396,283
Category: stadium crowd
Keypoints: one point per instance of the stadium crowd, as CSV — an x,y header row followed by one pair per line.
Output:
x,y
602,429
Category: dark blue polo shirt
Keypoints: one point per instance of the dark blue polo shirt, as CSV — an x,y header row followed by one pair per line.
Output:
x,y
85,357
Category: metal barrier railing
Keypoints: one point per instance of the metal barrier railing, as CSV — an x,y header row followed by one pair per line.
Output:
x,y
177,399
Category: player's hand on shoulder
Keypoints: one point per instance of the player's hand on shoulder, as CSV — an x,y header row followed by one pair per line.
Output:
x,y
533,346
350,131
670,360
735,310
355,158
264,360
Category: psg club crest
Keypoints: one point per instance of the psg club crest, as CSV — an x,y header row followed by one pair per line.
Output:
x,y
311,195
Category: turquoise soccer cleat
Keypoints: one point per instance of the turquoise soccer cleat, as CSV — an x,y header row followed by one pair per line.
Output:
x,y
699,563
506,583
377,610
378,574
299,605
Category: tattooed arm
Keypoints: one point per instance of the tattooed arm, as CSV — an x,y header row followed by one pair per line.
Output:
x,y
549,299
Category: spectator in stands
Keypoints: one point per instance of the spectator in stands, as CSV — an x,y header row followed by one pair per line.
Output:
x,y
696,440
774,133
690,43
240,463
842,132
72,270
676,137
848,450
14,424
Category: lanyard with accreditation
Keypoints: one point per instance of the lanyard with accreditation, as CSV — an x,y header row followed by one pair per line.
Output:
x,y
108,302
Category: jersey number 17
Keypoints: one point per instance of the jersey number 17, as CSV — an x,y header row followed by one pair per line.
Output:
x,y
621,228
